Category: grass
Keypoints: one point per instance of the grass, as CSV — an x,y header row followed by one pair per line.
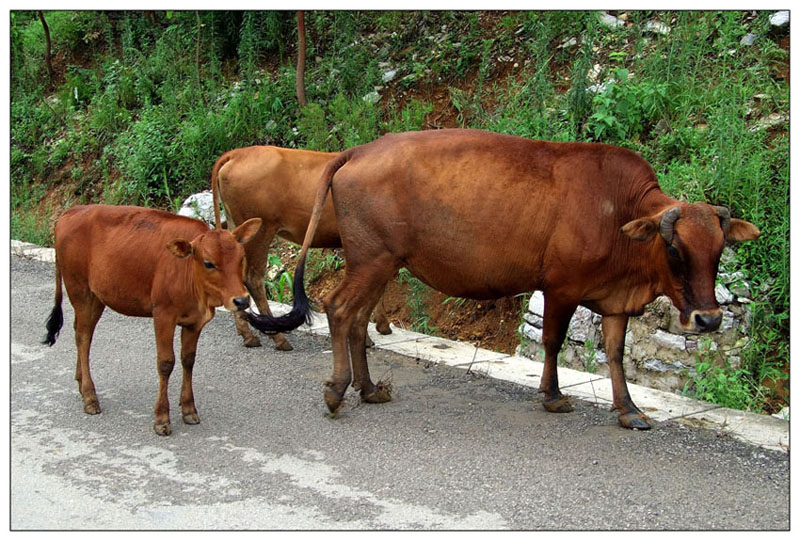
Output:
x,y
132,117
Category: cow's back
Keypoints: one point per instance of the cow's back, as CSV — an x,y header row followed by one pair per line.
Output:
x,y
450,204
116,252
277,185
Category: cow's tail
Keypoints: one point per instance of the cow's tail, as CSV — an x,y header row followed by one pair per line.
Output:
x,y
225,158
56,319
301,309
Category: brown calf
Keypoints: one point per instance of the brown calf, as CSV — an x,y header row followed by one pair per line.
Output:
x,y
277,185
147,263
483,215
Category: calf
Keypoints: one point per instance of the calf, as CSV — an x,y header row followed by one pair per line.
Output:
x,y
140,262
277,185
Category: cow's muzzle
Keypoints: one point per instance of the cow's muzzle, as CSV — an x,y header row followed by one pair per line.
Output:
x,y
241,302
704,320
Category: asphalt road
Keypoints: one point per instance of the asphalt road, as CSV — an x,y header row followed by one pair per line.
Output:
x,y
451,451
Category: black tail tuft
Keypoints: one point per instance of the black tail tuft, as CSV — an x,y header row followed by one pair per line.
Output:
x,y
299,314
54,323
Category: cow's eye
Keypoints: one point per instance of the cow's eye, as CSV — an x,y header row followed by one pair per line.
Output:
x,y
673,252
209,265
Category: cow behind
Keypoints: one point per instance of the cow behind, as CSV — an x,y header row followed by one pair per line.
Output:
x,y
146,263
483,215
277,185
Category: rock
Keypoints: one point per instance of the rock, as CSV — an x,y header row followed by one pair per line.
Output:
x,y
723,295
609,21
536,303
741,289
779,19
669,340
373,97
658,365
533,333
569,44
783,414
388,75
201,206
767,122
533,319
730,277
581,328
748,39
657,28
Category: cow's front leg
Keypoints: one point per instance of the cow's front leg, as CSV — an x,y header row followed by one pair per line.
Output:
x,y
165,362
614,335
557,314
189,337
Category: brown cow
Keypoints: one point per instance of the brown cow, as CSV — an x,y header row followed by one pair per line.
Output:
x,y
483,215
141,262
277,185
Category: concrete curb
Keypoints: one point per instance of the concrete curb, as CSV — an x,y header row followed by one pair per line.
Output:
x,y
761,430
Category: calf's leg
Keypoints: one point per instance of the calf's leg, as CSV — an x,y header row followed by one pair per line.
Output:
x,y
557,314
165,362
614,335
379,315
189,337
88,310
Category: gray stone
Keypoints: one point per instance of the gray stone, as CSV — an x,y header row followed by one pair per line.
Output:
x,y
201,207
780,18
657,365
722,294
388,75
580,326
669,340
657,28
533,319
373,97
533,333
609,21
536,304
748,39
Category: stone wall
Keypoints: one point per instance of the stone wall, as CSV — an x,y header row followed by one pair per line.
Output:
x,y
658,353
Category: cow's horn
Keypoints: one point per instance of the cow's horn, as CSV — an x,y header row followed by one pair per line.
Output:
x,y
724,218
668,223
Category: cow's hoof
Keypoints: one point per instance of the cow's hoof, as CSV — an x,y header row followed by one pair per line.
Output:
x,y
92,407
333,399
383,328
382,393
557,405
252,342
282,344
163,429
635,420
191,419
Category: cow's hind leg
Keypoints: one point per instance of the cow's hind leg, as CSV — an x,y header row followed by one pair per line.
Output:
x,y
379,315
189,337
614,336
557,314
348,308
88,310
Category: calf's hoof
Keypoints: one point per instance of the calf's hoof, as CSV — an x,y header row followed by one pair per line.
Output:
x,y
191,419
163,429
559,404
92,407
634,419
333,398
282,344
252,341
382,392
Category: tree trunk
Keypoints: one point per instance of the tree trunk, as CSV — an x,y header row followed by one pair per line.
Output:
x,y
301,59
47,59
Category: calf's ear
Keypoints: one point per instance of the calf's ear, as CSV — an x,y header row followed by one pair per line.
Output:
x,y
741,231
180,248
641,229
247,230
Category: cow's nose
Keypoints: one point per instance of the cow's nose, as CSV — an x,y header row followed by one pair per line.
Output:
x,y
706,322
241,302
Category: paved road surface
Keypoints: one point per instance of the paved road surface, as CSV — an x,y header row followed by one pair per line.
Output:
x,y
451,451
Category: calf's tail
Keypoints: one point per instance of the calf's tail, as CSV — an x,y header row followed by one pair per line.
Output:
x,y
301,309
56,319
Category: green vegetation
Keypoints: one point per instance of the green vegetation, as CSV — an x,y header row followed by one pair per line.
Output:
x,y
142,103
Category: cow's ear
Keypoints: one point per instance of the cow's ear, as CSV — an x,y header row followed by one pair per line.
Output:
x,y
247,230
641,229
741,231
180,248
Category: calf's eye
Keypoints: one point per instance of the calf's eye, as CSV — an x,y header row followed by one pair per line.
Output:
x,y
673,252
209,265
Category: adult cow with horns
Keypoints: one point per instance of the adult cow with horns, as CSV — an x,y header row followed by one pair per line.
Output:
x,y
483,215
